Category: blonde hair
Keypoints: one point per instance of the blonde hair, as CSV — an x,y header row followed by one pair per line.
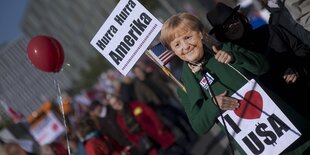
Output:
x,y
185,21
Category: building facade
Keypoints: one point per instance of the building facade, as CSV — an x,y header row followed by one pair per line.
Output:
x,y
23,87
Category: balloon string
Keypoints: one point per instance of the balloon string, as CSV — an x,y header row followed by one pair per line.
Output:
x,y
63,115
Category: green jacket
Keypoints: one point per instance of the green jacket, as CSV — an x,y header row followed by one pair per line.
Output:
x,y
198,105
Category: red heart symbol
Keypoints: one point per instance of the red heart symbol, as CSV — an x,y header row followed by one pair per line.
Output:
x,y
54,127
251,106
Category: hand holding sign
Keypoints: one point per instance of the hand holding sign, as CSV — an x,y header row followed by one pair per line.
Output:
x,y
222,56
226,102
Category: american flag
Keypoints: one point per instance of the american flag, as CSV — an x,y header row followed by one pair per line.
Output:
x,y
161,54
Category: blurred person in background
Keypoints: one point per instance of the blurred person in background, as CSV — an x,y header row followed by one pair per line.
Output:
x,y
152,89
126,88
289,58
104,118
76,145
47,150
95,143
294,15
142,127
60,145
14,149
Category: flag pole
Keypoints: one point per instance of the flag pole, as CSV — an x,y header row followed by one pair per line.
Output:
x,y
166,71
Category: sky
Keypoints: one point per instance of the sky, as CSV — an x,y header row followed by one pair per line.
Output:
x,y
11,14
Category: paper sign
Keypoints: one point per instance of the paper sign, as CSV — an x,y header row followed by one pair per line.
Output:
x,y
47,130
258,125
126,34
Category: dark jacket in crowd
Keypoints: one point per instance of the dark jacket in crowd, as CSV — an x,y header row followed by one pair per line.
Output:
x,y
283,50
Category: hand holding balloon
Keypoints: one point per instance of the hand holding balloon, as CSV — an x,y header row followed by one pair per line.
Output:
x,y
45,53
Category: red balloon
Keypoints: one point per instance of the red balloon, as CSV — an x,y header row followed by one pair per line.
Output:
x,y
45,53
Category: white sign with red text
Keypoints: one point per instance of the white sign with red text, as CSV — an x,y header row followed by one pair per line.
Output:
x,y
47,129
258,125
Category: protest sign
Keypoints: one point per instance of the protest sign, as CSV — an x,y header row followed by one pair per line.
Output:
x,y
258,125
46,129
126,34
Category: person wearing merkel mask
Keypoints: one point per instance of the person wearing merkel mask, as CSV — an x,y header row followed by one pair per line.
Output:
x,y
210,76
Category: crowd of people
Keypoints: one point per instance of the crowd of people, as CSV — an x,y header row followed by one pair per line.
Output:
x,y
138,114
123,115
128,115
